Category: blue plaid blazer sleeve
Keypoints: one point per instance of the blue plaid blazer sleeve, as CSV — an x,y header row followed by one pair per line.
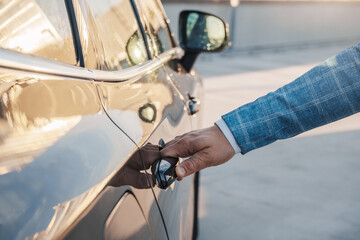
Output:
x,y
328,92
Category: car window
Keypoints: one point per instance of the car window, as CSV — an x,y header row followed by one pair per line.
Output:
x,y
119,33
157,23
39,27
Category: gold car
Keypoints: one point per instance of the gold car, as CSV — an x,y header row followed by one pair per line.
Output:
x,y
88,89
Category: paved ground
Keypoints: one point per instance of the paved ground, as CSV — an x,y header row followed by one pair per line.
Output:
x,y
304,188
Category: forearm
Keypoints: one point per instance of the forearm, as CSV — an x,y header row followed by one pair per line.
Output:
x,y
326,93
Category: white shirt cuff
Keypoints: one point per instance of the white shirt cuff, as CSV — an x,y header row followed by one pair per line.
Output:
x,y
229,136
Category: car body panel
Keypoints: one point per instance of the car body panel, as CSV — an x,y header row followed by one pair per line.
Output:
x,y
189,85
65,117
112,216
62,131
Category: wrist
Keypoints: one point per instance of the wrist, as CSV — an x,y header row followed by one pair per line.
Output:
x,y
225,130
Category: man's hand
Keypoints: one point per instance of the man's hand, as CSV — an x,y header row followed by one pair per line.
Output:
x,y
207,147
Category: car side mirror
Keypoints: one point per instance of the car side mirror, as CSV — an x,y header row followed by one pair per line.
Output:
x,y
201,32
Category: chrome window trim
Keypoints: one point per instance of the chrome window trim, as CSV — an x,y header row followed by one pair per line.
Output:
x,y
126,74
30,63
137,71
174,53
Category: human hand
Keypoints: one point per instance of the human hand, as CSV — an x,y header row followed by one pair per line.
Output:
x,y
206,147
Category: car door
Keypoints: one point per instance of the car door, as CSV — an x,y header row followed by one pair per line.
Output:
x,y
143,101
133,89
177,203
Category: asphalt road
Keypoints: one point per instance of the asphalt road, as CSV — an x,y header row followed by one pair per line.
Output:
x,y
307,187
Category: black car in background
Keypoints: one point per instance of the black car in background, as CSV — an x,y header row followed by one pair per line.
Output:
x,y
88,90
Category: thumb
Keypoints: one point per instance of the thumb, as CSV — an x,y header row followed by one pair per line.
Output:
x,y
190,166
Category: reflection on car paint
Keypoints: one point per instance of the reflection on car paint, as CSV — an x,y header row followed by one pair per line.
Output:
x,y
132,173
147,94
33,143
159,33
127,221
67,212
136,50
63,135
35,130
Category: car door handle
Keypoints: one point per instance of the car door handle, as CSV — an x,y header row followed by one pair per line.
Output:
x,y
163,170
194,104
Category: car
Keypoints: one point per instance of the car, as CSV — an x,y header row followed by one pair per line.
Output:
x,y
90,91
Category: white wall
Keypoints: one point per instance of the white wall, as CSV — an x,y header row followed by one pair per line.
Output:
x,y
276,24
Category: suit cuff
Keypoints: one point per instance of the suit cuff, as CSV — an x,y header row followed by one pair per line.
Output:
x,y
229,136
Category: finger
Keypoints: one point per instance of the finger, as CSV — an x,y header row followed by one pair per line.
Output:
x,y
185,147
177,139
178,149
172,142
191,165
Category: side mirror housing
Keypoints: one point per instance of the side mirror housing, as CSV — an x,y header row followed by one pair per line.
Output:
x,y
201,32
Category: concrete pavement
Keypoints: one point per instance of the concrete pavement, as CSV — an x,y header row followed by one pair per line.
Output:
x,y
303,188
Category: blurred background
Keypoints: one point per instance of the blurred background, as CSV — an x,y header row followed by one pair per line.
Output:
x,y
303,188
278,24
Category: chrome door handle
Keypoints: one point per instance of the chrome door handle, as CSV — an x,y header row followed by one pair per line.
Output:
x,y
163,170
194,104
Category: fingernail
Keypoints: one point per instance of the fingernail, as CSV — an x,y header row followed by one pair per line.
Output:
x,y
180,171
